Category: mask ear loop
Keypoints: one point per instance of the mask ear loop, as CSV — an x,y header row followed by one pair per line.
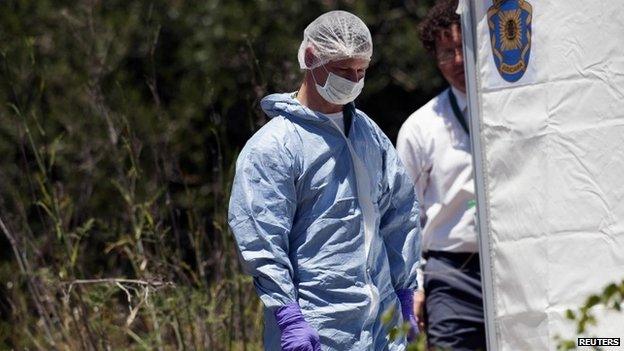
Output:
x,y
314,78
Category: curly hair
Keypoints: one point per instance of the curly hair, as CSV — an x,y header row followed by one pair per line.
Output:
x,y
440,17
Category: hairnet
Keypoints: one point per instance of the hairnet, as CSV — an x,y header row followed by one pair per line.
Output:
x,y
335,35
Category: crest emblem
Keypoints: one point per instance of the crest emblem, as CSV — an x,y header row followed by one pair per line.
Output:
x,y
510,34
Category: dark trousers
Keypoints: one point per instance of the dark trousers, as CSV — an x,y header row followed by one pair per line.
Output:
x,y
453,301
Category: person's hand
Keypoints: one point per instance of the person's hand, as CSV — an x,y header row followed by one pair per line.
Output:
x,y
297,334
419,309
406,297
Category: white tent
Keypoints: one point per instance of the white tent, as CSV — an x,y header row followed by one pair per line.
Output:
x,y
548,140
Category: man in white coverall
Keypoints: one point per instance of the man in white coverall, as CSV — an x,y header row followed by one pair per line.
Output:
x,y
434,145
324,214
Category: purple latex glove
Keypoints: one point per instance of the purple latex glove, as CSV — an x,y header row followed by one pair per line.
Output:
x,y
406,296
297,334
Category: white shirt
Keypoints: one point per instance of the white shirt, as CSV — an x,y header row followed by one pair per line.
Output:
x,y
337,118
435,150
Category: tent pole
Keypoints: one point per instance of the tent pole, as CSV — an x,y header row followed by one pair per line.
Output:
x,y
469,25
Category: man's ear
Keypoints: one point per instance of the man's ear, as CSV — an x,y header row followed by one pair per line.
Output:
x,y
309,57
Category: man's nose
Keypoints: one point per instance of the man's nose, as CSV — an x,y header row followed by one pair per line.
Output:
x,y
458,58
353,76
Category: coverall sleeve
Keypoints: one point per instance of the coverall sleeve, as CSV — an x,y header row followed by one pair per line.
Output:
x,y
261,211
400,224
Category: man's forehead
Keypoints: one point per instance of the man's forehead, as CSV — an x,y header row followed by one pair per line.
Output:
x,y
355,63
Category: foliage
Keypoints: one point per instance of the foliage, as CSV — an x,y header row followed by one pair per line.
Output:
x,y
120,125
611,297
419,344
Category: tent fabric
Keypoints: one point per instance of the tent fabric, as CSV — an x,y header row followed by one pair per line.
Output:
x,y
553,155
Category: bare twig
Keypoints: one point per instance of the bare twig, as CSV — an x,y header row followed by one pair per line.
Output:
x,y
116,281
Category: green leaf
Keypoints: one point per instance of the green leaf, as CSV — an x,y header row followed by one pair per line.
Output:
x,y
388,316
592,301
569,314
394,333
74,255
610,290
87,226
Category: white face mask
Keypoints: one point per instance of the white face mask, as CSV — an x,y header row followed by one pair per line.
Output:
x,y
338,90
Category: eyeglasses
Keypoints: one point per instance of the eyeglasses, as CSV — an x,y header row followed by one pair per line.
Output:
x,y
448,55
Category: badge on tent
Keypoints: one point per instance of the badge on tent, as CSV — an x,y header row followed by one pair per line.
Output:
x,y
510,34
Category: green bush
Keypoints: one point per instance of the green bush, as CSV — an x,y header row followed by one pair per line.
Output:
x,y
120,125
